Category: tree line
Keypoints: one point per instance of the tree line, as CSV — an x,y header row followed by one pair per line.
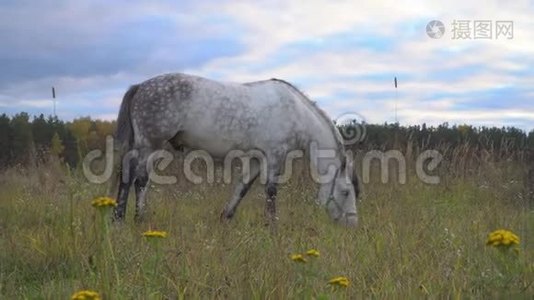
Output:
x,y
26,140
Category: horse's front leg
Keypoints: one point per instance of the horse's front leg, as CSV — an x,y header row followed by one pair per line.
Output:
x,y
271,189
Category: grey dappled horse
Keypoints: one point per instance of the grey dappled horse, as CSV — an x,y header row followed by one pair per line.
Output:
x,y
270,116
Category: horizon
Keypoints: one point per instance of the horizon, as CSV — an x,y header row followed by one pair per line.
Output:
x,y
32,117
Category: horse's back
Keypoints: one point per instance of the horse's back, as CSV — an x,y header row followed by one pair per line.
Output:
x,y
212,115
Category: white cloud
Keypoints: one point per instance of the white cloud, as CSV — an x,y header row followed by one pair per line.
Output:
x,y
500,117
107,117
36,103
274,25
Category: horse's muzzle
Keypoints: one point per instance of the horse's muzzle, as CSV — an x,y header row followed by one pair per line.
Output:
x,y
349,220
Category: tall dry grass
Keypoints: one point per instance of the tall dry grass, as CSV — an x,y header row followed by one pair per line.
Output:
x,y
414,240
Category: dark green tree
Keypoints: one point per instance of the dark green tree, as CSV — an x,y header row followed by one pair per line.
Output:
x,y
5,141
22,139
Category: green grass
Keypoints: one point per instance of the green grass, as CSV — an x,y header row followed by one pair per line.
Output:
x,y
414,241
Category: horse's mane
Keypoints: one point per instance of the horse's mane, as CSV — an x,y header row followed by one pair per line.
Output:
x,y
322,113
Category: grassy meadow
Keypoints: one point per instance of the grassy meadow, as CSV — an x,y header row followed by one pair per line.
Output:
x,y
414,241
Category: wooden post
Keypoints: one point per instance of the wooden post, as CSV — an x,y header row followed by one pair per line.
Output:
x,y
54,100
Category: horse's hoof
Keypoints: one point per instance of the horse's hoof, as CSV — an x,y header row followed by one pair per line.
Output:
x,y
226,216
117,219
139,219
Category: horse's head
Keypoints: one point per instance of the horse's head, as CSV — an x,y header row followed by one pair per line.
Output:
x,y
339,197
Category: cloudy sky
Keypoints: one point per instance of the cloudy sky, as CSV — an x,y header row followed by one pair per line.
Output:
x,y
343,54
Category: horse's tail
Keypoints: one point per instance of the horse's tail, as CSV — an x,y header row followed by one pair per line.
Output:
x,y
124,134
124,137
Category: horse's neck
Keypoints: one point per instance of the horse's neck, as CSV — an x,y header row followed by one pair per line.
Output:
x,y
327,148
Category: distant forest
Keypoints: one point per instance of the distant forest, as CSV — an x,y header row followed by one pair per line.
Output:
x,y
27,140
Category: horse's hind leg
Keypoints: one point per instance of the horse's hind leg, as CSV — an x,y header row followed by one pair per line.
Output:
x,y
126,175
242,187
141,185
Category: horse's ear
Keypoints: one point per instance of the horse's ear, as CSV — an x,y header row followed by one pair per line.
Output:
x,y
347,169
347,163
352,176
356,184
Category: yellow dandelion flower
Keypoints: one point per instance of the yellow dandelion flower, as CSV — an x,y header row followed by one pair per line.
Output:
x,y
86,295
298,258
502,238
313,252
155,234
104,202
341,281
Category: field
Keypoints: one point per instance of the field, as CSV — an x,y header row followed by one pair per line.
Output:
x,y
414,241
